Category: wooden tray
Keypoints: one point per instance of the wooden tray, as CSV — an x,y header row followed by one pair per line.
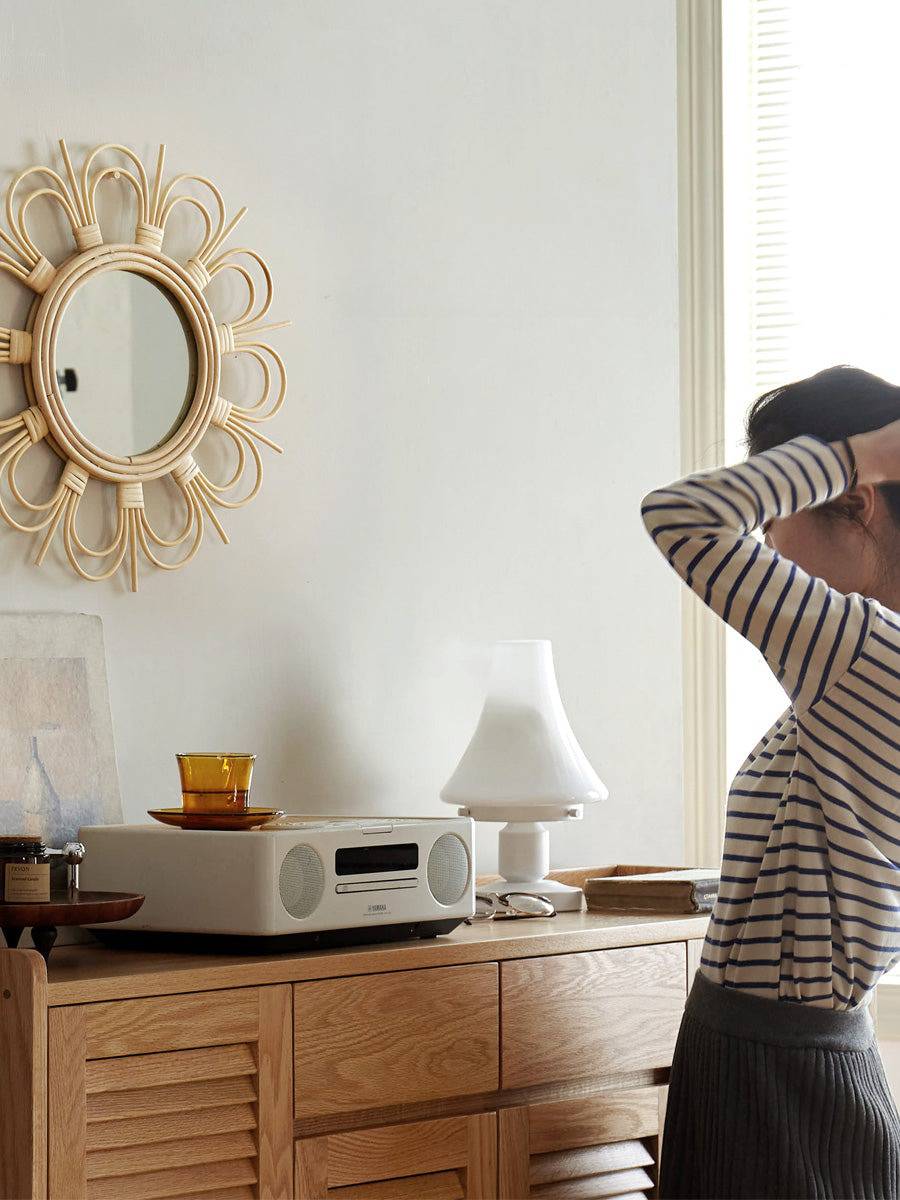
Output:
x,y
64,908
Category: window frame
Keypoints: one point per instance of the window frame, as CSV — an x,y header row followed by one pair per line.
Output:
x,y
702,402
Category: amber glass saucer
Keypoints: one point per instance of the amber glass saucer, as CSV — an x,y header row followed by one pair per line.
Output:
x,y
246,818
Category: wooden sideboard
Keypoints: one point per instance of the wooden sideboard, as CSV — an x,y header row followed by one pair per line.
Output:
x,y
499,1061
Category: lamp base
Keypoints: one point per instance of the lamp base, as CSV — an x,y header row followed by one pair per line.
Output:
x,y
563,897
524,860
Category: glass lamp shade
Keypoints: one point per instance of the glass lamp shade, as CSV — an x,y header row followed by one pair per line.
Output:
x,y
523,766
523,762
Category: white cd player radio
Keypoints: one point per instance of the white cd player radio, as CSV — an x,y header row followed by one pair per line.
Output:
x,y
298,882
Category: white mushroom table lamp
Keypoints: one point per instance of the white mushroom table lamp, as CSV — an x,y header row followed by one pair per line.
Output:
x,y
524,767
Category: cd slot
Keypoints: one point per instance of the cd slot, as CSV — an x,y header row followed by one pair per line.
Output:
x,y
379,885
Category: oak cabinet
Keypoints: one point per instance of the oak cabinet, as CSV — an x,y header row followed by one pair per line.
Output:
x,y
528,1059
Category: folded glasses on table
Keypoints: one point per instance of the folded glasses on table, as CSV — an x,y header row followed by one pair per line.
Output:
x,y
510,905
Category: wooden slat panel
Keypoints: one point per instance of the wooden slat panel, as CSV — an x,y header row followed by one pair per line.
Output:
x,y
590,1120
275,1061
140,1159
445,1186
481,1157
589,1160
411,1036
167,1127
208,1179
66,1117
421,1147
171,1023
159,1070
23,1074
577,1015
596,1187
174,1098
515,1151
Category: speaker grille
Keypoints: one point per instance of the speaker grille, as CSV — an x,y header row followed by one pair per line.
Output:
x,y
448,869
301,881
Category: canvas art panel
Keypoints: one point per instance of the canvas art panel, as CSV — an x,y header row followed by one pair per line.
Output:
x,y
57,755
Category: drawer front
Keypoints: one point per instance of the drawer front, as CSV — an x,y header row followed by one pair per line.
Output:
x,y
377,1040
572,1016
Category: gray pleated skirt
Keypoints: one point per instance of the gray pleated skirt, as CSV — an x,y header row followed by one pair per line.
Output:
x,y
776,1099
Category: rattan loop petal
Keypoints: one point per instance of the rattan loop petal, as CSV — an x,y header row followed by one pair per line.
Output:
x,y
226,338
88,236
19,346
35,425
221,411
183,472
41,275
197,272
130,495
74,478
148,235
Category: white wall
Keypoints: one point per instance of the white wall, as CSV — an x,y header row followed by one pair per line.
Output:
x,y
469,207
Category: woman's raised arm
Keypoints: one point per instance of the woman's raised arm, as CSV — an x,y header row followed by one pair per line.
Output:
x,y
808,633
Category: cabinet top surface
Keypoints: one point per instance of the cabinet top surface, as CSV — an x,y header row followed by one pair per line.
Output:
x,y
82,974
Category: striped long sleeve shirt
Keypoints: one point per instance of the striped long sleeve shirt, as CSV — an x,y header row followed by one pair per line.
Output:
x,y
809,902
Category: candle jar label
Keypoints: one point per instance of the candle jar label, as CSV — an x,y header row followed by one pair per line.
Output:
x,y
26,883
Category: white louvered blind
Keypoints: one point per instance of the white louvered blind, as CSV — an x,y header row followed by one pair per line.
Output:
x,y
811,133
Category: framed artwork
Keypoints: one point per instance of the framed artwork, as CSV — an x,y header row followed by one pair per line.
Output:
x,y
57,755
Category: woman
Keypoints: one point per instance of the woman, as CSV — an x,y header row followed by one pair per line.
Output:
x,y
777,1086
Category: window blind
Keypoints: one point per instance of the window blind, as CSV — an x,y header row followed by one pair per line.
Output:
x,y
811,189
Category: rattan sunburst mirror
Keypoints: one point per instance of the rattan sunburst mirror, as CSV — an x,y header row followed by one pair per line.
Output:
x,y
87,431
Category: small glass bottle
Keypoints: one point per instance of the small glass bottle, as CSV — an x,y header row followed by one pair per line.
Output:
x,y
24,870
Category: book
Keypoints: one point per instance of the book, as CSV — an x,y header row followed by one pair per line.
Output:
x,y
682,891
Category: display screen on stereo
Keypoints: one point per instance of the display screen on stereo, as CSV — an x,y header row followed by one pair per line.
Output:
x,y
366,860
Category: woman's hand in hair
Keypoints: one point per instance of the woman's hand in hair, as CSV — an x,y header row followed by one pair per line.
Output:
x,y
877,454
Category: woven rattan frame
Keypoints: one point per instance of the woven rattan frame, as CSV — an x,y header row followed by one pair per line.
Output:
x,y
46,416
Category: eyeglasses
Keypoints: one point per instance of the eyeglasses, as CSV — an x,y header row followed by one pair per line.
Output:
x,y
510,905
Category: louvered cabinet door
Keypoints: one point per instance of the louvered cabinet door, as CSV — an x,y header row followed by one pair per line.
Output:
x,y
452,1158
175,1096
600,1147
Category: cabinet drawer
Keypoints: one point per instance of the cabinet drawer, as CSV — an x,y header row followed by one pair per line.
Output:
x,y
571,1016
377,1040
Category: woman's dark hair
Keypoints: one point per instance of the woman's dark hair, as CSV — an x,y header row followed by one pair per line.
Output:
x,y
834,404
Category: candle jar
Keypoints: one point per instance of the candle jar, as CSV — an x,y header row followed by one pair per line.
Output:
x,y
24,870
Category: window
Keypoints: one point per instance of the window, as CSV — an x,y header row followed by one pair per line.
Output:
x,y
811,228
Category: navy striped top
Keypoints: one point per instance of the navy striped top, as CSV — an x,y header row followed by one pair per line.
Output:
x,y
809,903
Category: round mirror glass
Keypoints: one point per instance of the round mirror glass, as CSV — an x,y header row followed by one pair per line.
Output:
x,y
125,363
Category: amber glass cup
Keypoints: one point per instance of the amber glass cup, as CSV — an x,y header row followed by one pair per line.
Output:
x,y
215,782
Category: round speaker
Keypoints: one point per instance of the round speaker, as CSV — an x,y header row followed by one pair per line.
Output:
x,y
448,869
301,880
